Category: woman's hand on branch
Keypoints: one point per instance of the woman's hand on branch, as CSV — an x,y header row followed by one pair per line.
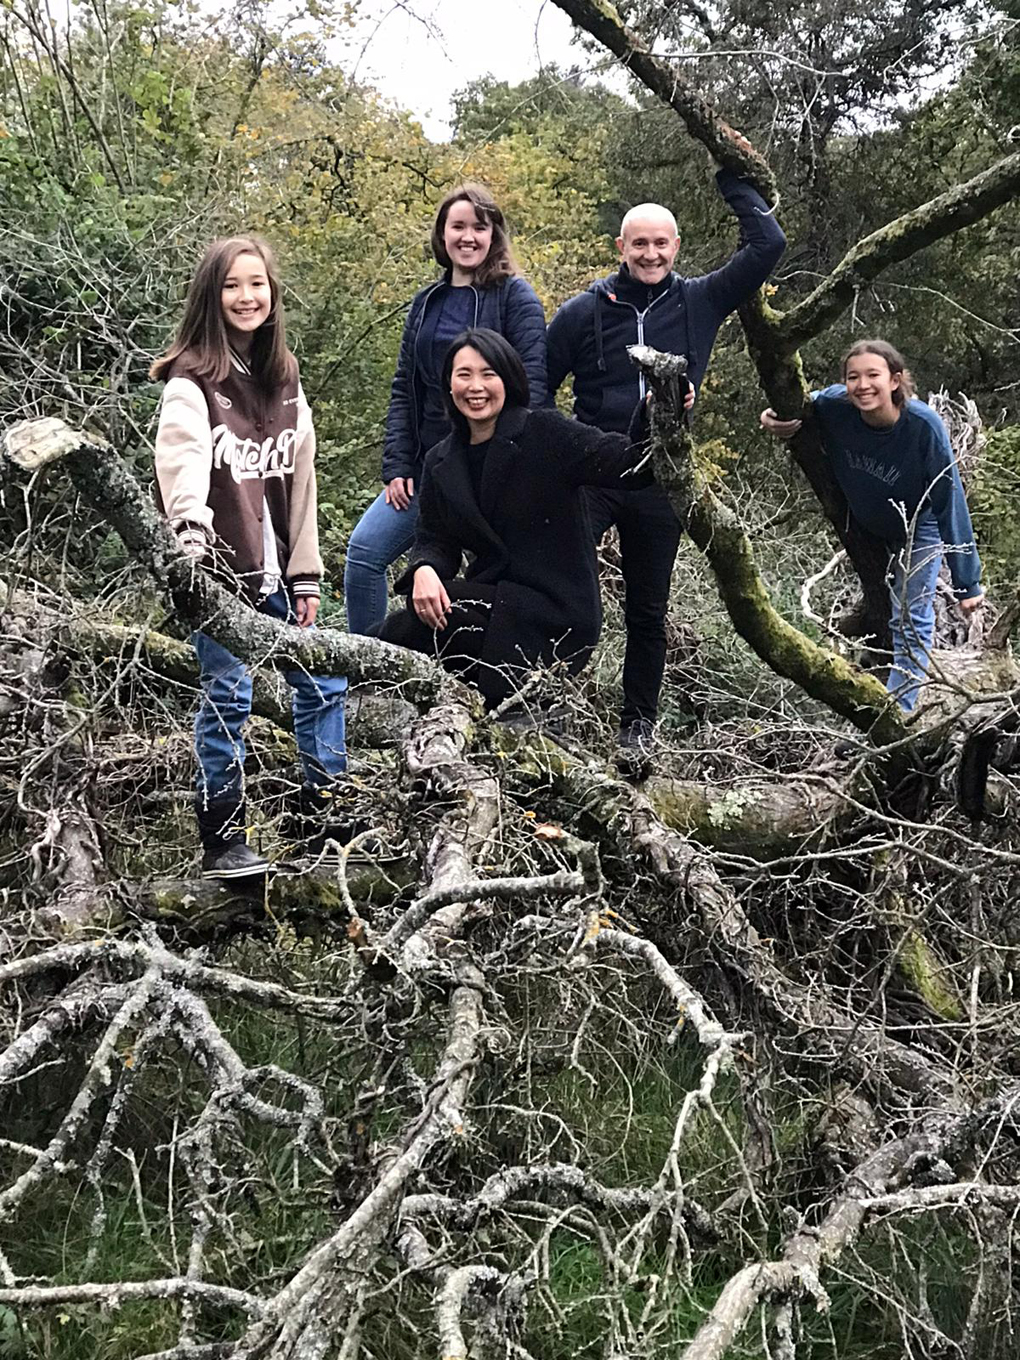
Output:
x,y
969,606
399,492
429,597
782,429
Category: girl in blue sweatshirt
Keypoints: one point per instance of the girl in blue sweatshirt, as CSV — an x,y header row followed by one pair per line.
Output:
x,y
891,456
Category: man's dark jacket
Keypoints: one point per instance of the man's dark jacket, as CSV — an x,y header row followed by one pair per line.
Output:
x,y
512,308
528,530
590,333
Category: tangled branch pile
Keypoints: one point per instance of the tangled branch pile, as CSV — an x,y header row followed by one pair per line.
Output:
x,y
534,1071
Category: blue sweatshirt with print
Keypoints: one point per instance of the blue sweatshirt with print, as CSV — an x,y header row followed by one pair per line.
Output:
x,y
888,473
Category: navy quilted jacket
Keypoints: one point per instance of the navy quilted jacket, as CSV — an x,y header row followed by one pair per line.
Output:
x,y
512,308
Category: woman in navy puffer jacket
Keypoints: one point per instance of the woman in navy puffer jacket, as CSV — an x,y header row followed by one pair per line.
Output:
x,y
481,286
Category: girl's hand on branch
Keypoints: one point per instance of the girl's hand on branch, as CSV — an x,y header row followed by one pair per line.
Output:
x,y
192,543
429,597
306,607
782,429
969,606
399,492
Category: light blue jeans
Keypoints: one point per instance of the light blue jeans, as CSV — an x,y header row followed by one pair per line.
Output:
x,y
913,576
379,538
318,707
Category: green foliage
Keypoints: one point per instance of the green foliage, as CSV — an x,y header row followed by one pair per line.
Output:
x,y
994,495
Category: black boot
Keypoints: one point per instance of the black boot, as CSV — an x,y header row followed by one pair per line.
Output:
x,y
635,747
551,719
318,823
221,828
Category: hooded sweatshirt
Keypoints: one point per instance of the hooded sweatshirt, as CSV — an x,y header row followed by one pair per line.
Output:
x,y
590,333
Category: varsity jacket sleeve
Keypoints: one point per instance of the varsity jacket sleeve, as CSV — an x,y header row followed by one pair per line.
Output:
x,y
304,565
400,446
587,456
949,503
433,545
762,243
184,456
525,329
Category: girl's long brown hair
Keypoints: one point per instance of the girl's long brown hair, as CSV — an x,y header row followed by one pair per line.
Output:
x,y
500,263
202,334
895,360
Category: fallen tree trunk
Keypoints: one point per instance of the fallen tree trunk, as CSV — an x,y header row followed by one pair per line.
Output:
x,y
760,817
104,481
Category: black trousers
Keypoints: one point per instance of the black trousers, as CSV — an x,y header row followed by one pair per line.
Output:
x,y
458,646
649,537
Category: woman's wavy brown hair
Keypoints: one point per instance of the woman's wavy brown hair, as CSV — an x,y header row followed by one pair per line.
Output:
x,y
202,334
500,263
895,360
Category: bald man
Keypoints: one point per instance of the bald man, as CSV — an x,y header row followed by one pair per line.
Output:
x,y
646,302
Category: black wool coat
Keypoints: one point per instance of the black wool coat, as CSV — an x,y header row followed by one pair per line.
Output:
x,y
528,532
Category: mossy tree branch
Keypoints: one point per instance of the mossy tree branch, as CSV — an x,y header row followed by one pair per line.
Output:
x,y
106,483
959,207
729,147
782,377
719,534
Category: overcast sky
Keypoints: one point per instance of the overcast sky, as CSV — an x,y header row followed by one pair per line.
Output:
x,y
418,52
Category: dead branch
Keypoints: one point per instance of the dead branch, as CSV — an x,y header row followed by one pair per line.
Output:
x,y
729,147
807,1252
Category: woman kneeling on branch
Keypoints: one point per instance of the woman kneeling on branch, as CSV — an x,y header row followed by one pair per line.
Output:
x,y
505,487
892,458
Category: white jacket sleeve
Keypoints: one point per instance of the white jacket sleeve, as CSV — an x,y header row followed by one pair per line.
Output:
x,y
184,455
304,567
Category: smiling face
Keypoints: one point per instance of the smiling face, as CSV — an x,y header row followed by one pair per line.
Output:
x,y
477,391
246,298
466,236
648,246
870,385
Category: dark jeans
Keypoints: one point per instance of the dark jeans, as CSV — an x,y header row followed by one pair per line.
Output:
x,y
459,645
649,537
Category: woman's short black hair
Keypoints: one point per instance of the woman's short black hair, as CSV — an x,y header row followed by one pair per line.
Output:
x,y
501,357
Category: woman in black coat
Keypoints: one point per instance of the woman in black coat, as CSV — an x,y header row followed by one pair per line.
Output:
x,y
505,488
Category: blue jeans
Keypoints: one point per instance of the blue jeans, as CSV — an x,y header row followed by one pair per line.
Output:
x,y
226,705
379,538
913,576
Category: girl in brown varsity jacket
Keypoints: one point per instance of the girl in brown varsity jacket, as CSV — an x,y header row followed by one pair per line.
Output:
x,y
235,467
